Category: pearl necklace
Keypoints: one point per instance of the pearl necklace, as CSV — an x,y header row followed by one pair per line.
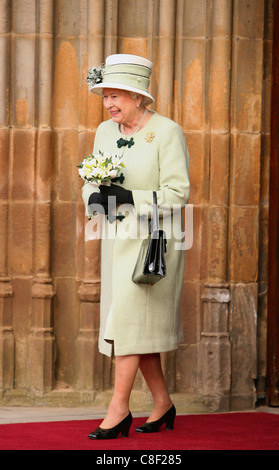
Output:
x,y
138,126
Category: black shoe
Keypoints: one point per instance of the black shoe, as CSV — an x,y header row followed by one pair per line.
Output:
x,y
123,427
154,426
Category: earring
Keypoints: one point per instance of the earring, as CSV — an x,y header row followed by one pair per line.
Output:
x,y
137,105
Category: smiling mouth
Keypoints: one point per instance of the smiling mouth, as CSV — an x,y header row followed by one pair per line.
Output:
x,y
114,112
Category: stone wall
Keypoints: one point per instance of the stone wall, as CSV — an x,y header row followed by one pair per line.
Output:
x,y
212,67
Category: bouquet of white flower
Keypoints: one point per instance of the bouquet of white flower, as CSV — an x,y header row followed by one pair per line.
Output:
x,y
100,168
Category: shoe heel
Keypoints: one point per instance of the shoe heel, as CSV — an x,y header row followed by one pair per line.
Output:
x,y
125,430
170,419
170,424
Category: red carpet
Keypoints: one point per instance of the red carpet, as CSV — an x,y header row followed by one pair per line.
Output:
x,y
225,431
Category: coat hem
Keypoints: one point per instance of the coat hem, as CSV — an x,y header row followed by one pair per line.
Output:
x,y
126,351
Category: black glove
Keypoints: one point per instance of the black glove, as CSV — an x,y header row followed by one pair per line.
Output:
x,y
123,196
98,203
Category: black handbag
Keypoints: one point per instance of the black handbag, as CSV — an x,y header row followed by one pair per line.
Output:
x,y
150,266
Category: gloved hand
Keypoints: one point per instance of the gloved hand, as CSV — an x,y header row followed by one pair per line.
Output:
x,y
123,196
98,203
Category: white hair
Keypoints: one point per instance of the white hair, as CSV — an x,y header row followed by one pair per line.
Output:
x,y
135,96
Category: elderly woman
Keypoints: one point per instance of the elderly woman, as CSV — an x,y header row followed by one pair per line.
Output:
x,y
138,321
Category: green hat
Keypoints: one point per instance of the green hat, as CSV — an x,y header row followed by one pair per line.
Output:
x,y
123,72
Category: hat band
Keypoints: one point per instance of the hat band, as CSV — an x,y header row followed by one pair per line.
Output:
x,y
135,81
132,69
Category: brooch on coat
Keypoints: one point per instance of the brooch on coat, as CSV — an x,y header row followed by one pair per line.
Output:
x,y
123,142
149,137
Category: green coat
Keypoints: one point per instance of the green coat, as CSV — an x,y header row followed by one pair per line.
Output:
x,y
141,319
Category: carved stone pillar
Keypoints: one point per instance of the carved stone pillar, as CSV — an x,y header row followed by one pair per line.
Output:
x,y
6,336
89,374
214,349
41,339
102,23
6,288
166,49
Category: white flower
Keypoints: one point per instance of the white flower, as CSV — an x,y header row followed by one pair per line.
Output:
x,y
95,76
113,173
100,167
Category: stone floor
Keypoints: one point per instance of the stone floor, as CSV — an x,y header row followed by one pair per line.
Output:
x,y
18,414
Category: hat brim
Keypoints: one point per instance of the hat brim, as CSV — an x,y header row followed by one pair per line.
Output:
x,y
98,89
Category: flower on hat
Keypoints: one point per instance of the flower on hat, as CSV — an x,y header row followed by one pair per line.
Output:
x,y
95,75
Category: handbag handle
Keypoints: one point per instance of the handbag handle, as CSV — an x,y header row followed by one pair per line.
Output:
x,y
155,218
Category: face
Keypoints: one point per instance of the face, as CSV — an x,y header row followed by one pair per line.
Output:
x,y
121,106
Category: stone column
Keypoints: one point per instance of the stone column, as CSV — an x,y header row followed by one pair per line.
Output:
x,y
273,255
203,52
95,56
68,16
214,348
6,288
41,338
110,33
6,336
245,170
166,52
89,362
268,103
